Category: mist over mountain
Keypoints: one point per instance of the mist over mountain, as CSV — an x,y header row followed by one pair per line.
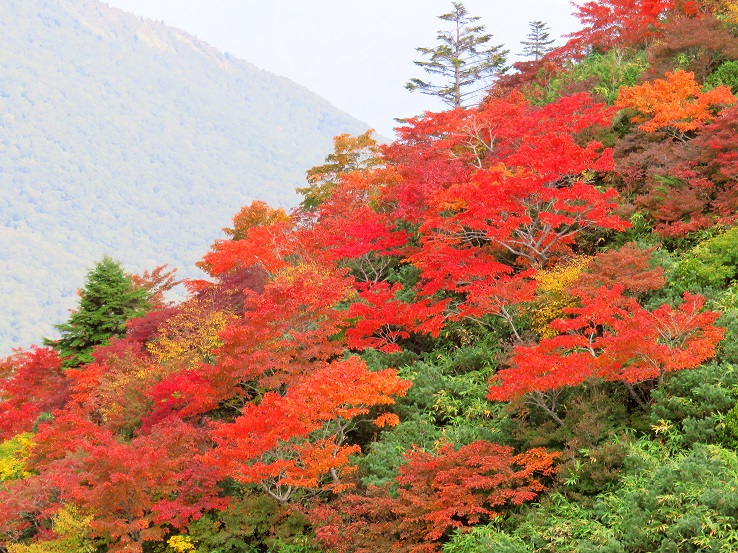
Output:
x,y
125,137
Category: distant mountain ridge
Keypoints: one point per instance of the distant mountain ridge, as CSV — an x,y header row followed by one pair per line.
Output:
x,y
125,137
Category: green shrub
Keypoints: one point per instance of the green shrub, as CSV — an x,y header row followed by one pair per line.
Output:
x,y
727,303
726,74
601,73
730,430
683,503
253,524
688,408
485,539
563,525
713,263
379,466
686,504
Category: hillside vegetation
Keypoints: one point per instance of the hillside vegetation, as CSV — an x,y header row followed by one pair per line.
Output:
x,y
126,137
514,329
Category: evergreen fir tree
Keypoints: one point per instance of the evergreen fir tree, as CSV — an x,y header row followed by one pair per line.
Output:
x,y
108,299
463,61
538,43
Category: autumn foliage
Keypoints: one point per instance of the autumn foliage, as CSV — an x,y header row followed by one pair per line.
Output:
x,y
274,443
675,103
620,23
611,337
32,383
337,379
437,492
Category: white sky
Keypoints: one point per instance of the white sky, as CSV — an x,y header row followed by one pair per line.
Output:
x,y
358,55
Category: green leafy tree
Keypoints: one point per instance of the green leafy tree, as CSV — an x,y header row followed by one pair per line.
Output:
x,y
108,299
463,61
538,42
694,406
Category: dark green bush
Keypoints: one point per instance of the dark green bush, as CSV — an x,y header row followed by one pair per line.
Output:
x,y
726,74
688,408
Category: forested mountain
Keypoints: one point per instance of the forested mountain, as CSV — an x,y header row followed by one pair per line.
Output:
x,y
514,329
126,137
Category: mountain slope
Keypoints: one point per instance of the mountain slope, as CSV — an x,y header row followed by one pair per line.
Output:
x,y
126,137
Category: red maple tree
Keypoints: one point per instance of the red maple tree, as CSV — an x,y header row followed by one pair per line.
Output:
x,y
436,493
299,439
614,338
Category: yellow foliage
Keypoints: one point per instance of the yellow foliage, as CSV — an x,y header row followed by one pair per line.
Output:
x,y
552,296
191,334
180,544
13,453
725,9
72,527
731,12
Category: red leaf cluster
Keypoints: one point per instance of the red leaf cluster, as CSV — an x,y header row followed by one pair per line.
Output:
x,y
270,443
31,383
437,493
612,337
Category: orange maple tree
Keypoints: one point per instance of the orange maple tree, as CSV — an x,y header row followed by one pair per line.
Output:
x,y
675,104
287,331
292,441
266,243
256,214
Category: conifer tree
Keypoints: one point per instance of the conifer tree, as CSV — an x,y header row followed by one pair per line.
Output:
x,y
108,299
539,42
463,61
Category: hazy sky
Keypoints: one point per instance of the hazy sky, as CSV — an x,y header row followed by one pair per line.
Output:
x,y
356,54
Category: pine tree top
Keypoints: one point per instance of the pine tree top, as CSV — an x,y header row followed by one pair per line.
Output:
x,y
463,60
108,299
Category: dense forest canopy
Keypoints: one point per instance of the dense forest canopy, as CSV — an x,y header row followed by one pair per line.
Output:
x,y
513,329
126,137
